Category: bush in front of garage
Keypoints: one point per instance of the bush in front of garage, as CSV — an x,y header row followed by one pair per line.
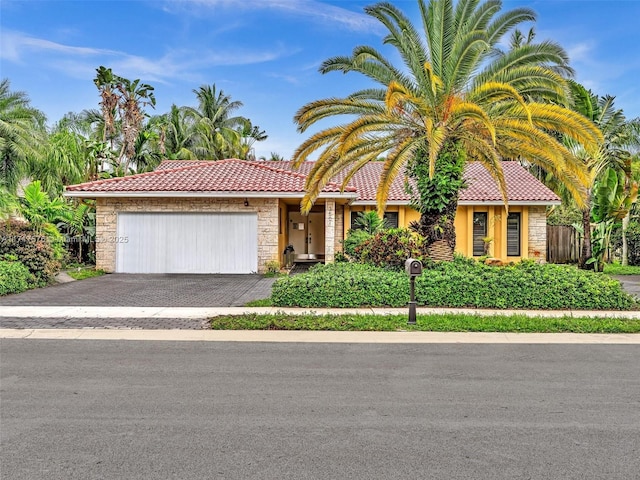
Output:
x,y
461,283
34,250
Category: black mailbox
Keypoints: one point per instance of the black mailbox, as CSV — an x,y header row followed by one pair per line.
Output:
x,y
413,267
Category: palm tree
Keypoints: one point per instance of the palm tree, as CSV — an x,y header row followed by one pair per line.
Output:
x,y
64,163
249,134
614,152
122,111
177,134
217,130
452,100
22,135
134,96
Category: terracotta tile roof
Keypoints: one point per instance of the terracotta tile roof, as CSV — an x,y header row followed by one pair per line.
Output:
x,y
481,187
169,164
222,176
521,185
279,177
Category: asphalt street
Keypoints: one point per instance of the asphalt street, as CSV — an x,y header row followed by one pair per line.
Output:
x,y
88,409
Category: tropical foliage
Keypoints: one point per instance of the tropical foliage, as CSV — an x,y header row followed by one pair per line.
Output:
x,y
117,139
453,96
608,168
22,135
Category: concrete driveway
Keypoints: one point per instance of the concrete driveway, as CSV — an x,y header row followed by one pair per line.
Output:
x,y
130,290
630,283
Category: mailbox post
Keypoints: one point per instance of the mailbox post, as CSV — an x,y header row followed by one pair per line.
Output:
x,y
413,268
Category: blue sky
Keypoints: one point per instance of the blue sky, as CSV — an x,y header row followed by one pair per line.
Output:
x,y
265,53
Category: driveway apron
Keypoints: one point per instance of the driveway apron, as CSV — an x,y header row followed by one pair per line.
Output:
x,y
133,290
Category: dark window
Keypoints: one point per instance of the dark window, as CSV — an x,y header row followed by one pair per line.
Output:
x,y
479,232
513,235
391,219
354,218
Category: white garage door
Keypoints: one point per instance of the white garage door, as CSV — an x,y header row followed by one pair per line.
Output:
x,y
187,243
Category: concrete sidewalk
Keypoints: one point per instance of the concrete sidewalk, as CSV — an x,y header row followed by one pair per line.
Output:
x,y
203,313
281,336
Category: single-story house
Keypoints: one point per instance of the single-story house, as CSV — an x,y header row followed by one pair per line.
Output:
x,y
236,216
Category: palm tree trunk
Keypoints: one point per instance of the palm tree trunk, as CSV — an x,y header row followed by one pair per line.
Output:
x,y
625,242
586,252
438,232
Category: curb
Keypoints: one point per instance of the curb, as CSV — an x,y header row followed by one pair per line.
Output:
x,y
202,313
275,336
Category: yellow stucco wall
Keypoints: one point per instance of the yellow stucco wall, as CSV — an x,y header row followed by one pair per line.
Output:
x,y
497,227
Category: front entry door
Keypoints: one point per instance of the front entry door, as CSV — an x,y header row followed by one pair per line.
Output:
x,y
316,233
306,233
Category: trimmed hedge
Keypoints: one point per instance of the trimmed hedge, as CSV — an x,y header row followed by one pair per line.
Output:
x,y
34,250
341,285
14,278
461,283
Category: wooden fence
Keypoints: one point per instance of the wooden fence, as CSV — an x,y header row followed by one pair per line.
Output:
x,y
563,244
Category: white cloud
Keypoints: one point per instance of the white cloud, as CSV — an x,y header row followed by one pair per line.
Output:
x,y
581,52
314,9
15,45
80,62
287,78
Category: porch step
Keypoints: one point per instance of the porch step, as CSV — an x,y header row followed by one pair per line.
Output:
x,y
302,267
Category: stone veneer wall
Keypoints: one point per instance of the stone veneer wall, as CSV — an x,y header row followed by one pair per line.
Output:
x,y
329,231
538,233
107,221
339,236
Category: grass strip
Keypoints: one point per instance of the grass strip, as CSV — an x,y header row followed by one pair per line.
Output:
x,y
433,323
84,273
617,269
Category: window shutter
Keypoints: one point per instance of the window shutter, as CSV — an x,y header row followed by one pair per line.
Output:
x,y
479,232
513,235
391,219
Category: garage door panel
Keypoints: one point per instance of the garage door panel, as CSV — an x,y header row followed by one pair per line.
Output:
x,y
188,243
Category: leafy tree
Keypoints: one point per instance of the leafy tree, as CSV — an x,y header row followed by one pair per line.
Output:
x,y
22,135
64,163
8,204
177,134
370,222
40,211
452,100
613,152
217,130
218,134
80,223
249,134
613,196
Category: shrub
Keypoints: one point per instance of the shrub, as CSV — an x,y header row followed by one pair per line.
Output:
x,y
461,283
354,239
14,277
342,285
390,248
33,250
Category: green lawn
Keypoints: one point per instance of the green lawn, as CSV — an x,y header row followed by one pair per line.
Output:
x,y
617,269
435,323
82,273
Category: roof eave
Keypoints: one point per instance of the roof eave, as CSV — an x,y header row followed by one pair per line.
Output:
x,y
253,194
465,202
373,202
511,202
